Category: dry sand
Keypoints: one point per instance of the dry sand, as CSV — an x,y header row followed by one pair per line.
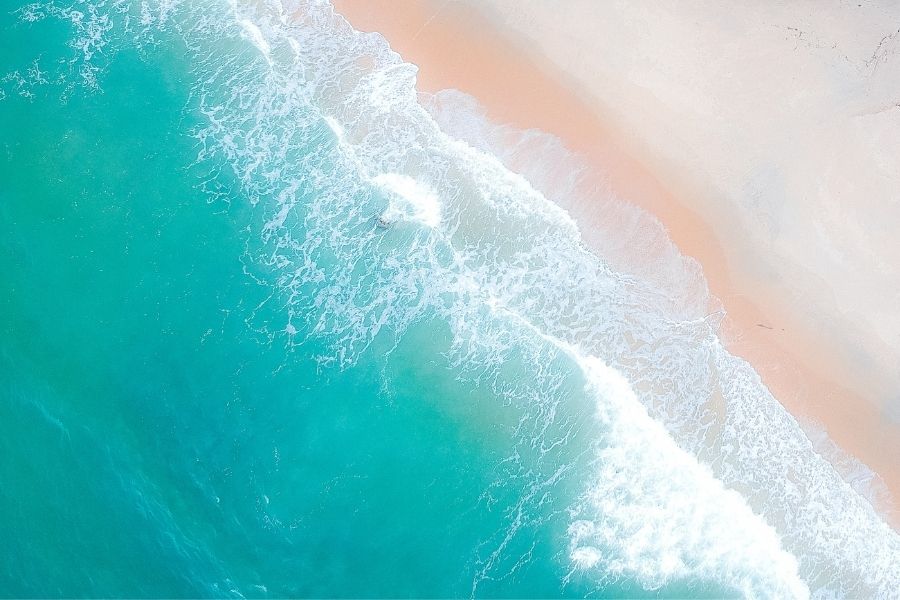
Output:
x,y
738,187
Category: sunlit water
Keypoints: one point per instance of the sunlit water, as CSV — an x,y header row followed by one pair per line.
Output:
x,y
272,327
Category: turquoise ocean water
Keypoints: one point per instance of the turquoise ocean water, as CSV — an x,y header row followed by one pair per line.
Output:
x,y
272,325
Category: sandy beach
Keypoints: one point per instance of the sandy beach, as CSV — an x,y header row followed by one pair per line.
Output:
x,y
763,147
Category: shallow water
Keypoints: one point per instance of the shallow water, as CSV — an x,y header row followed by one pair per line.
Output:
x,y
270,330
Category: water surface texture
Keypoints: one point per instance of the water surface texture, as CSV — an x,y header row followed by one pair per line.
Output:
x,y
274,326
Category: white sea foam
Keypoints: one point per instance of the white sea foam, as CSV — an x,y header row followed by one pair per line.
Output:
x,y
690,469
411,199
662,529
256,37
678,522
627,238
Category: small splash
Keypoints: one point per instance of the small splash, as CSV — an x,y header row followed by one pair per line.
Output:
x,y
411,199
255,36
336,128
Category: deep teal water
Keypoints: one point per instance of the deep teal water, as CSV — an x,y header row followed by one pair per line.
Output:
x,y
154,443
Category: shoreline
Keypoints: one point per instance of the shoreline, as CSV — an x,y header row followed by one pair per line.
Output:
x,y
517,87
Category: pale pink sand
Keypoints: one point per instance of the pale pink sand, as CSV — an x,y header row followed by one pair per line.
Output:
x,y
455,46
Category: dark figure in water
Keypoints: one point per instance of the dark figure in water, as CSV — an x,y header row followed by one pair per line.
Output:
x,y
383,221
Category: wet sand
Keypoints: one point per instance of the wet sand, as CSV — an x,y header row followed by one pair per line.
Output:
x,y
457,46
